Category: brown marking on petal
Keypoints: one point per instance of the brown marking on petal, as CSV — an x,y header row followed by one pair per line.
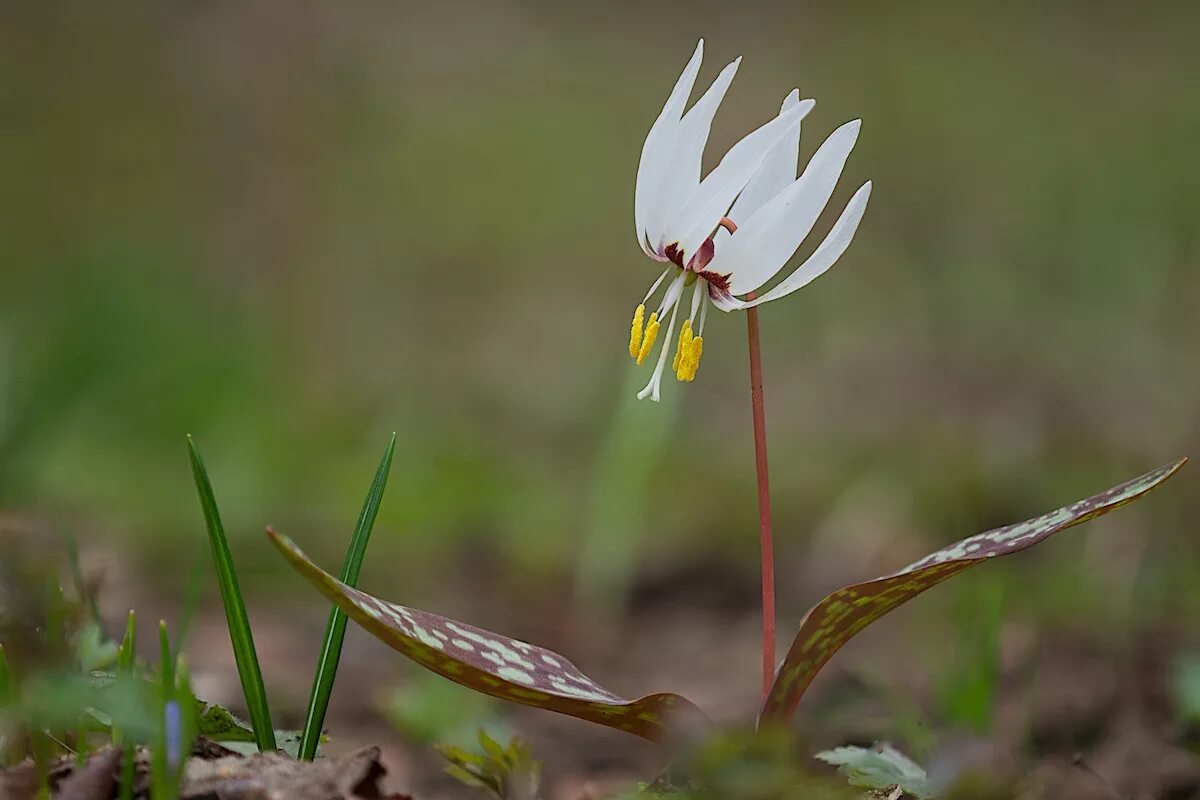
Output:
x,y
673,254
718,284
728,224
702,256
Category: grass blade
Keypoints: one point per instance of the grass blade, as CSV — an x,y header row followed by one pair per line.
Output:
x,y
159,779
7,691
168,663
335,628
126,658
235,609
8,694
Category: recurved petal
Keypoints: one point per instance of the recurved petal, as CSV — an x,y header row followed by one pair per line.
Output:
x,y
770,236
681,175
712,199
656,150
826,254
777,171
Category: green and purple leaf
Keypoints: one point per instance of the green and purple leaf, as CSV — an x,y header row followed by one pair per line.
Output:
x,y
494,664
840,616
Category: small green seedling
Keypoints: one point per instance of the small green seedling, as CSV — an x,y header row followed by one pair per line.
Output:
x,y
507,773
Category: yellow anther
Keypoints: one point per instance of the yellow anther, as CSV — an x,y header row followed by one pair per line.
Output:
x,y
648,340
635,331
681,350
695,350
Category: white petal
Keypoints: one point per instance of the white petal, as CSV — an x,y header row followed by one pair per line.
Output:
x,y
722,185
659,145
766,241
826,254
681,175
777,171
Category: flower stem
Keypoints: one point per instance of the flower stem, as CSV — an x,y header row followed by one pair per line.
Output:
x,y
765,538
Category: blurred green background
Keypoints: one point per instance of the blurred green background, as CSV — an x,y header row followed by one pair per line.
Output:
x,y
292,228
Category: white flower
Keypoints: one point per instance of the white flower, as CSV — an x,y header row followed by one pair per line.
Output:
x,y
722,252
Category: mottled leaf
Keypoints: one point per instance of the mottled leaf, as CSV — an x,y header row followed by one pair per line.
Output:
x,y
840,616
494,664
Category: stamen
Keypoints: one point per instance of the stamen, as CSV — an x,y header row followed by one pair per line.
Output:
x,y
648,342
679,364
654,286
695,350
635,331
697,297
671,296
651,389
728,224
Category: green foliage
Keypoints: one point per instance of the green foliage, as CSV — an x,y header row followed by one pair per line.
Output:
x,y
742,765
126,666
630,452
7,687
93,650
175,722
506,772
240,635
880,767
428,708
1185,687
967,688
335,628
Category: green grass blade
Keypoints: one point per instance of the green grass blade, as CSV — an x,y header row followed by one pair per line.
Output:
x,y
235,609
185,735
125,655
335,628
126,659
167,663
128,650
6,680
158,754
8,694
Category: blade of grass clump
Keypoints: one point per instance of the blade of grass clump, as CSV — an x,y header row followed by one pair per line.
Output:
x,y
496,665
335,628
125,668
235,609
840,616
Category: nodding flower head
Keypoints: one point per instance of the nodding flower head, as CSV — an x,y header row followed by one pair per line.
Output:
x,y
731,232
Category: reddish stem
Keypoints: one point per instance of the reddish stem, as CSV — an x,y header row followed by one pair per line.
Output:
x,y
765,539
